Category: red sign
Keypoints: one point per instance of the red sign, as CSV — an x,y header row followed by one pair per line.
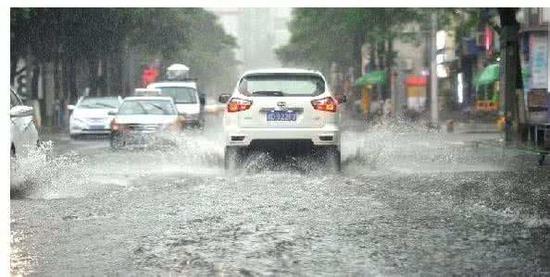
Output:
x,y
416,81
150,75
488,38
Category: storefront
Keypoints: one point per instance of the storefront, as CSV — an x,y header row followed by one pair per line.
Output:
x,y
416,92
535,100
368,83
487,89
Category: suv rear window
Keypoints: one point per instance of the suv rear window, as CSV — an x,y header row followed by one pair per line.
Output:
x,y
282,85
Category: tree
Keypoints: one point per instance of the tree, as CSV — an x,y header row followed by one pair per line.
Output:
x,y
322,36
99,40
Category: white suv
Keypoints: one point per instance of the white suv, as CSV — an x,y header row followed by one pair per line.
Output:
x,y
289,110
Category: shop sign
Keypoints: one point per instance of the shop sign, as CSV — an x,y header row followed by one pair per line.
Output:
x,y
538,59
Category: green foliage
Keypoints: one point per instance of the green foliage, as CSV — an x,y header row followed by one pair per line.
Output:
x,y
317,38
322,36
190,36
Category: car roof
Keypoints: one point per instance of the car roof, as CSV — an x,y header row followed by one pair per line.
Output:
x,y
99,97
281,71
188,84
134,98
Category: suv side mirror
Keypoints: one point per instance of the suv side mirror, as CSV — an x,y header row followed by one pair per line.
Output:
x,y
224,98
341,99
202,99
70,107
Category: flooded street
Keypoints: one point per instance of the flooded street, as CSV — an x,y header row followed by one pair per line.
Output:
x,y
402,205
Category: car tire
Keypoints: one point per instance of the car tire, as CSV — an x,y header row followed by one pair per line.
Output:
x,y
232,158
332,158
13,160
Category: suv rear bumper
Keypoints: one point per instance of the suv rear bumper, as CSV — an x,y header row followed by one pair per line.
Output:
x,y
328,135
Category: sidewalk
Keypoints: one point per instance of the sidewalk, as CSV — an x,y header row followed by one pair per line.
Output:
x,y
476,127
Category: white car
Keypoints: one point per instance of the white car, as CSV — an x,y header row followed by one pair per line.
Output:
x,y
90,115
188,100
142,120
282,109
23,132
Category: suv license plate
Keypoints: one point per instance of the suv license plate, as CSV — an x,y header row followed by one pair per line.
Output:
x,y
281,116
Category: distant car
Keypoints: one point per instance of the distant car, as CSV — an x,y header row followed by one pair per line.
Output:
x,y
90,115
23,131
189,102
142,120
288,110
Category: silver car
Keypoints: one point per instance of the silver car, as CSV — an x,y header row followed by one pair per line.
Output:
x,y
143,120
90,116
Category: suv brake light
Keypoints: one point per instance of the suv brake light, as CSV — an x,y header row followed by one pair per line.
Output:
x,y
238,105
327,104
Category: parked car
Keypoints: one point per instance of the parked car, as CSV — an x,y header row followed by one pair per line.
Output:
x,y
23,132
282,110
90,115
188,100
143,120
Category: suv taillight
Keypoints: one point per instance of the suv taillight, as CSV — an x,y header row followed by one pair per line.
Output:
x,y
327,104
238,105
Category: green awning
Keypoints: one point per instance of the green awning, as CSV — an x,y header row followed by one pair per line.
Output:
x,y
372,78
489,75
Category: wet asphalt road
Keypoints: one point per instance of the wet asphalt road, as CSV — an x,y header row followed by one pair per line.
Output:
x,y
407,202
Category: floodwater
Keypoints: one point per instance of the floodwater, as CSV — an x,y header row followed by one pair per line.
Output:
x,y
408,201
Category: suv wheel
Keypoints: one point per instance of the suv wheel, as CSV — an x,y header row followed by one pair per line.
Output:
x,y
233,158
13,160
333,158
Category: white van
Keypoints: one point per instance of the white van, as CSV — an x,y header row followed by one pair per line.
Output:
x,y
188,100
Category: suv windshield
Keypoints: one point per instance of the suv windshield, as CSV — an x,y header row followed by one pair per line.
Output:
x,y
282,85
156,107
99,103
181,95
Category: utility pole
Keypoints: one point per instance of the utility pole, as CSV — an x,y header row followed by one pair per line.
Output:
x,y
433,76
510,70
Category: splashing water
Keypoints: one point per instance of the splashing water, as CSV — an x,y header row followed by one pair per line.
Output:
x,y
40,171
407,148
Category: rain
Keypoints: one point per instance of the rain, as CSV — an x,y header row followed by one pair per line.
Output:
x,y
455,192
